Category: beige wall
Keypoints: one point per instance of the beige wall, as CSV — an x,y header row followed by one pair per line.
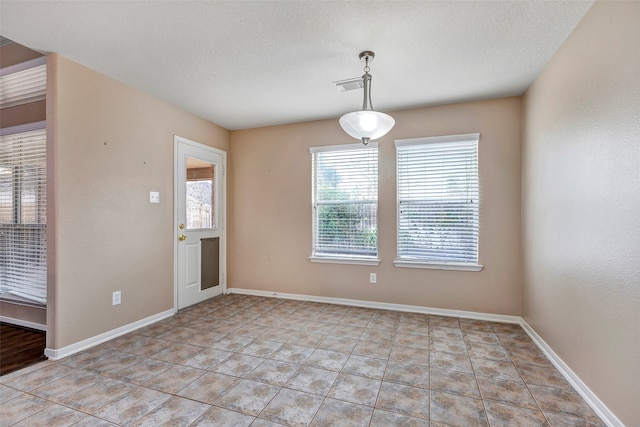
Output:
x,y
270,218
581,204
15,53
110,145
25,313
22,114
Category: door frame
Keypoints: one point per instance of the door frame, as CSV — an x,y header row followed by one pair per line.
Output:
x,y
178,140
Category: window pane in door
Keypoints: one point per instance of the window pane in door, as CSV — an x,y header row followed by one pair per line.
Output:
x,y
200,196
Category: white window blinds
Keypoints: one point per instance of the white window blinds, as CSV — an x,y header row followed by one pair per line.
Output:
x,y
23,250
23,83
438,199
345,201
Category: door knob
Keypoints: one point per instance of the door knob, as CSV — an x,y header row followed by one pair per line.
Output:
x,y
182,237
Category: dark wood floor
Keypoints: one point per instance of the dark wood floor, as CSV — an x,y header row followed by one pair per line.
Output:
x,y
20,347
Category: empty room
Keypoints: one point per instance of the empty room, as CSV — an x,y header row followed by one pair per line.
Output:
x,y
320,213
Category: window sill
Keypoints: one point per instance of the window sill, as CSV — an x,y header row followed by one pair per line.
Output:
x,y
438,265
337,260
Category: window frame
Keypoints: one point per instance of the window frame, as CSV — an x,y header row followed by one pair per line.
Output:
x,y
424,262
340,258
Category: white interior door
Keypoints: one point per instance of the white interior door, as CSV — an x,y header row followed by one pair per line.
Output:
x,y
200,237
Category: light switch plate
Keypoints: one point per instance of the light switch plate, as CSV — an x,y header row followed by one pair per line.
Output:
x,y
154,197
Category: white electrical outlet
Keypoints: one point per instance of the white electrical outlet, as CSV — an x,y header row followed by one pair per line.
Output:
x,y
116,298
154,197
372,278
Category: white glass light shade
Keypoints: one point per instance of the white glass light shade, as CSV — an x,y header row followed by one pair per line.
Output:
x,y
367,124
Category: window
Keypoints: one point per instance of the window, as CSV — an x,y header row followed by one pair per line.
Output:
x,y
438,202
23,233
200,197
23,175
345,203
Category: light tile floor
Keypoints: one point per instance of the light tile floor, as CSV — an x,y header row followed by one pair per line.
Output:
x,y
243,360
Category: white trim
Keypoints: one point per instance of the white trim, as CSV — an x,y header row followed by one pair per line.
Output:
x,y
432,139
381,305
36,62
28,127
24,323
343,147
55,354
338,260
173,223
590,397
438,265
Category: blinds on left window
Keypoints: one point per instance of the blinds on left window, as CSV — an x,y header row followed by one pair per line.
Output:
x,y
23,245
345,201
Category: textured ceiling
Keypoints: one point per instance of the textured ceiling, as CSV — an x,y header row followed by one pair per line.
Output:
x,y
244,64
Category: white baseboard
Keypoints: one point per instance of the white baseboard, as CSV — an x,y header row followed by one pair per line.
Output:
x,y
382,305
596,404
55,354
24,323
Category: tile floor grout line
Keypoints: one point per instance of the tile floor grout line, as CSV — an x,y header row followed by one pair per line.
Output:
x,y
526,384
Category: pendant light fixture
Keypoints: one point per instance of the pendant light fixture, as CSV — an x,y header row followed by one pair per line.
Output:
x,y
367,124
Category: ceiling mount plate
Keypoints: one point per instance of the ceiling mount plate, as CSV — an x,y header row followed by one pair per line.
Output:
x,y
367,55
